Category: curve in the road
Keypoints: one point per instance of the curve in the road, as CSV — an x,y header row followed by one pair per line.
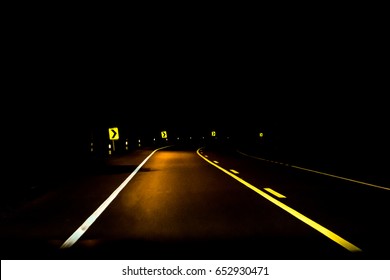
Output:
x,y
331,235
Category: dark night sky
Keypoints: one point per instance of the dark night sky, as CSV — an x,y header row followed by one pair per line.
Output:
x,y
313,86
302,97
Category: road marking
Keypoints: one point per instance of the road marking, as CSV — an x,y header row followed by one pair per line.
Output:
x,y
84,227
318,172
234,171
331,235
343,178
274,193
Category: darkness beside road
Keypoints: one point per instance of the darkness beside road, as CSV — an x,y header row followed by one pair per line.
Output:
x,y
58,170
50,139
311,96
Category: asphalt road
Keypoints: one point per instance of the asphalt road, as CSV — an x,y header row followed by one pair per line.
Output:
x,y
180,202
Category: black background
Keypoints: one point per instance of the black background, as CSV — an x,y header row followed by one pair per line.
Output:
x,y
317,85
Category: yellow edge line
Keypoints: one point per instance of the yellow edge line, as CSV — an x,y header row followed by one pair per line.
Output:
x,y
275,193
331,235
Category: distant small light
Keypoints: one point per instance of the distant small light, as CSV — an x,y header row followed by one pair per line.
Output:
x,y
261,134
139,140
127,143
190,137
177,138
91,144
109,146
154,139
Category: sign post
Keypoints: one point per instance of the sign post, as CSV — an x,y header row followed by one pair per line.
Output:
x,y
113,135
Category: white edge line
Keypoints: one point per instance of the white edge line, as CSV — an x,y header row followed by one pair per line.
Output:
x,y
321,173
88,222
331,235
